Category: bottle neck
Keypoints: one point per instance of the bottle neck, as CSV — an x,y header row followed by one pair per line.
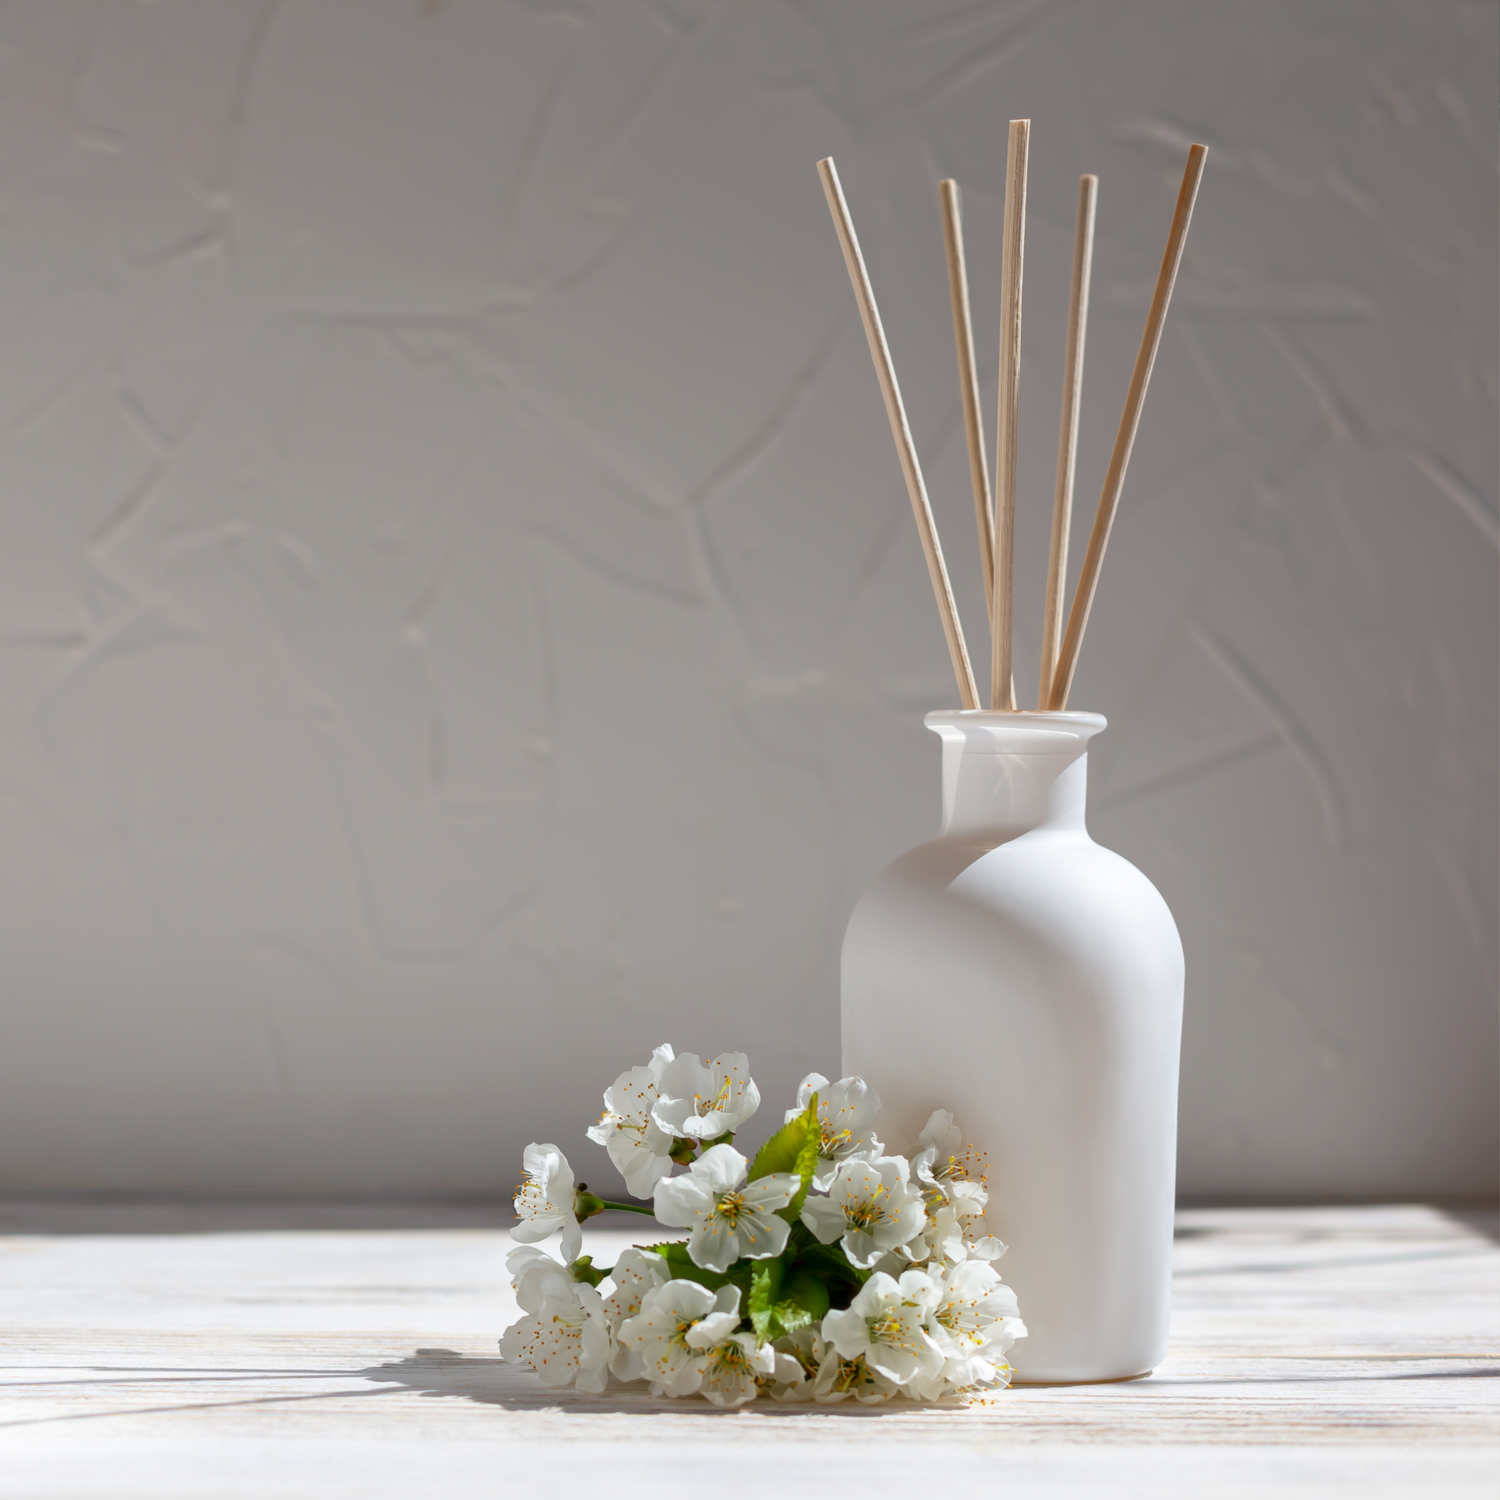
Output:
x,y
1002,796
1005,774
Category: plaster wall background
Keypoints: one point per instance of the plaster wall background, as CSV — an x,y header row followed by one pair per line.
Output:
x,y
461,622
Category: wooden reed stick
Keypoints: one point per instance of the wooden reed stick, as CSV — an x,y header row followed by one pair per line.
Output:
x,y
1114,478
968,383
1067,437
906,449
1013,257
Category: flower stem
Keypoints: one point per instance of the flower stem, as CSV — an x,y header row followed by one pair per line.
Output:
x,y
629,1208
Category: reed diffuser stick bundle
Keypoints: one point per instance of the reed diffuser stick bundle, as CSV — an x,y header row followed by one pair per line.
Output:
x,y
968,383
906,449
1067,437
1114,479
1013,257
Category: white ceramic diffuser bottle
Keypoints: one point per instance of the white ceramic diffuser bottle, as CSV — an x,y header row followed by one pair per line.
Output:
x,y
1017,973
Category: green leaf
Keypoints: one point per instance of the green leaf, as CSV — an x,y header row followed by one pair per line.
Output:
x,y
765,1287
780,1153
807,1164
804,1300
780,1302
831,1266
794,1150
799,1240
681,1266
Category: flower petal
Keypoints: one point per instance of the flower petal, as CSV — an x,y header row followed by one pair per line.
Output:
x,y
814,1083
681,1202
846,1330
642,1169
762,1234
546,1163
894,1362
859,1245
941,1132
529,1231
713,1329
826,1219
707,1127
774,1190
721,1169
714,1245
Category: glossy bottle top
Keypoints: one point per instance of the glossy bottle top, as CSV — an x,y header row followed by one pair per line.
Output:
x,y
1005,774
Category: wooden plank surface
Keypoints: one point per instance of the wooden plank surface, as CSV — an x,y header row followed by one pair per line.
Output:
x,y
1314,1352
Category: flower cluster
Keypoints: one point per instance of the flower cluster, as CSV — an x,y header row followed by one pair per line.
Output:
x,y
824,1268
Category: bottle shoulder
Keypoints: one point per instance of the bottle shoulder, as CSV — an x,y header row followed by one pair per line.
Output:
x,y
1067,851
1059,880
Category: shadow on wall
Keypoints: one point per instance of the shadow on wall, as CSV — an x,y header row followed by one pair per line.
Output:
x,y
128,1214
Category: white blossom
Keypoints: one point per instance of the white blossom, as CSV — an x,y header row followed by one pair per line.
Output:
x,y
787,1375
702,1101
942,1143
955,1178
637,1145
544,1202
932,1318
846,1116
927,1387
799,1357
729,1369
566,1340
967,1200
974,1320
943,1237
669,1312
886,1326
871,1208
535,1275
839,1378
636,1273
728,1215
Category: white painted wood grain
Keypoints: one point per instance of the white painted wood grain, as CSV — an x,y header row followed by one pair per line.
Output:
x,y
1313,1352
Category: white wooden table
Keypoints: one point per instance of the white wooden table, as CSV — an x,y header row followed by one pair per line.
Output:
x,y
1314,1352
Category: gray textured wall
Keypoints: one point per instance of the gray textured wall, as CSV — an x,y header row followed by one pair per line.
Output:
x,y
461,621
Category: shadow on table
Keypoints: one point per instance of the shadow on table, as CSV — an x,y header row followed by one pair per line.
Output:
x,y
492,1382
1485,1221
